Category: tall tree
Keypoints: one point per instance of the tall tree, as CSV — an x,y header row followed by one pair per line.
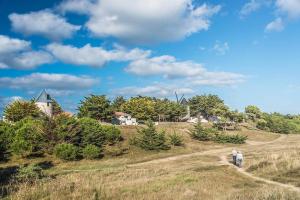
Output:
x,y
118,102
96,107
253,112
19,110
56,108
205,104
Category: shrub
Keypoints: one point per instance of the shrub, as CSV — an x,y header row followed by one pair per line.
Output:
x,y
91,152
6,134
175,139
112,134
68,129
201,133
29,173
116,150
149,139
29,137
261,124
92,132
234,139
66,151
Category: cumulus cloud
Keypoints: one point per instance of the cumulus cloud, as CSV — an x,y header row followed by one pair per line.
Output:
x,y
189,71
44,23
17,54
144,21
48,81
250,7
220,48
156,90
93,56
276,25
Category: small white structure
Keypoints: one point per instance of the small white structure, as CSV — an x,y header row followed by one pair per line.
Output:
x,y
195,120
124,119
44,103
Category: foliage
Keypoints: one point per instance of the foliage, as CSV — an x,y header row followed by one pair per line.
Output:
x,y
92,132
149,139
234,139
91,152
29,173
56,108
142,108
206,105
262,124
96,107
117,103
201,133
29,137
6,134
175,139
279,124
112,134
253,112
66,151
68,129
169,110
19,110
116,150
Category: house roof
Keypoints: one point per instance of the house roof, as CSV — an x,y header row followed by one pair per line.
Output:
x,y
44,97
118,114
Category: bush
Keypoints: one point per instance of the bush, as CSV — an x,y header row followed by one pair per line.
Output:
x,y
201,133
234,139
149,139
6,135
262,124
29,138
116,150
92,132
91,152
29,173
176,140
66,151
112,134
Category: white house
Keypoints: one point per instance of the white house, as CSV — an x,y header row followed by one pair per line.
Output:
x,y
122,118
44,103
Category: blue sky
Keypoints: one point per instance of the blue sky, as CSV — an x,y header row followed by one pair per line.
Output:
x,y
247,51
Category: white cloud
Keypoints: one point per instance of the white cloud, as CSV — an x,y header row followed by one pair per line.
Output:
x,y
94,56
250,7
155,90
220,48
217,79
144,21
48,81
276,25
290,7
17,54
43,23
78,6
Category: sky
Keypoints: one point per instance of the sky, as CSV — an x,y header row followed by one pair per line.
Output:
x,y
245,51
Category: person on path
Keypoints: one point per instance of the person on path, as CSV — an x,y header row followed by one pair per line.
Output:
x,y
239,159
234,153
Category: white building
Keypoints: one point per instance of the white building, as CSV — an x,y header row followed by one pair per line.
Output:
x,y
44,103
124,119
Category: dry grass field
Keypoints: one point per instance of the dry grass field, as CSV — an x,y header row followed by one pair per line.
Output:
x,y
194,171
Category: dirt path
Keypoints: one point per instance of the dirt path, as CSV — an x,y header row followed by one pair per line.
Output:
x,y
224,161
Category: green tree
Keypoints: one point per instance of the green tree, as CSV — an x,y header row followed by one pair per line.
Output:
x,y
92,132
253,112
29,137
171,111
142,108
19,110
117,103
150,139
96,107
205,104
68,129
56,108
6,134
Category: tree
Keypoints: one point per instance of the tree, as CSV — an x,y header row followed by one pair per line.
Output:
x,y
142,108
117,103
92,132
96,107
29,137
171,111
253,112
68,129
19,110
56,108
6,134
205,104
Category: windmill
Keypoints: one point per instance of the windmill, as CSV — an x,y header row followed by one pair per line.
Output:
x,y
182,101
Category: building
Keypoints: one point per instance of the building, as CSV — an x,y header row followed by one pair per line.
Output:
x,y
44,103
121,118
